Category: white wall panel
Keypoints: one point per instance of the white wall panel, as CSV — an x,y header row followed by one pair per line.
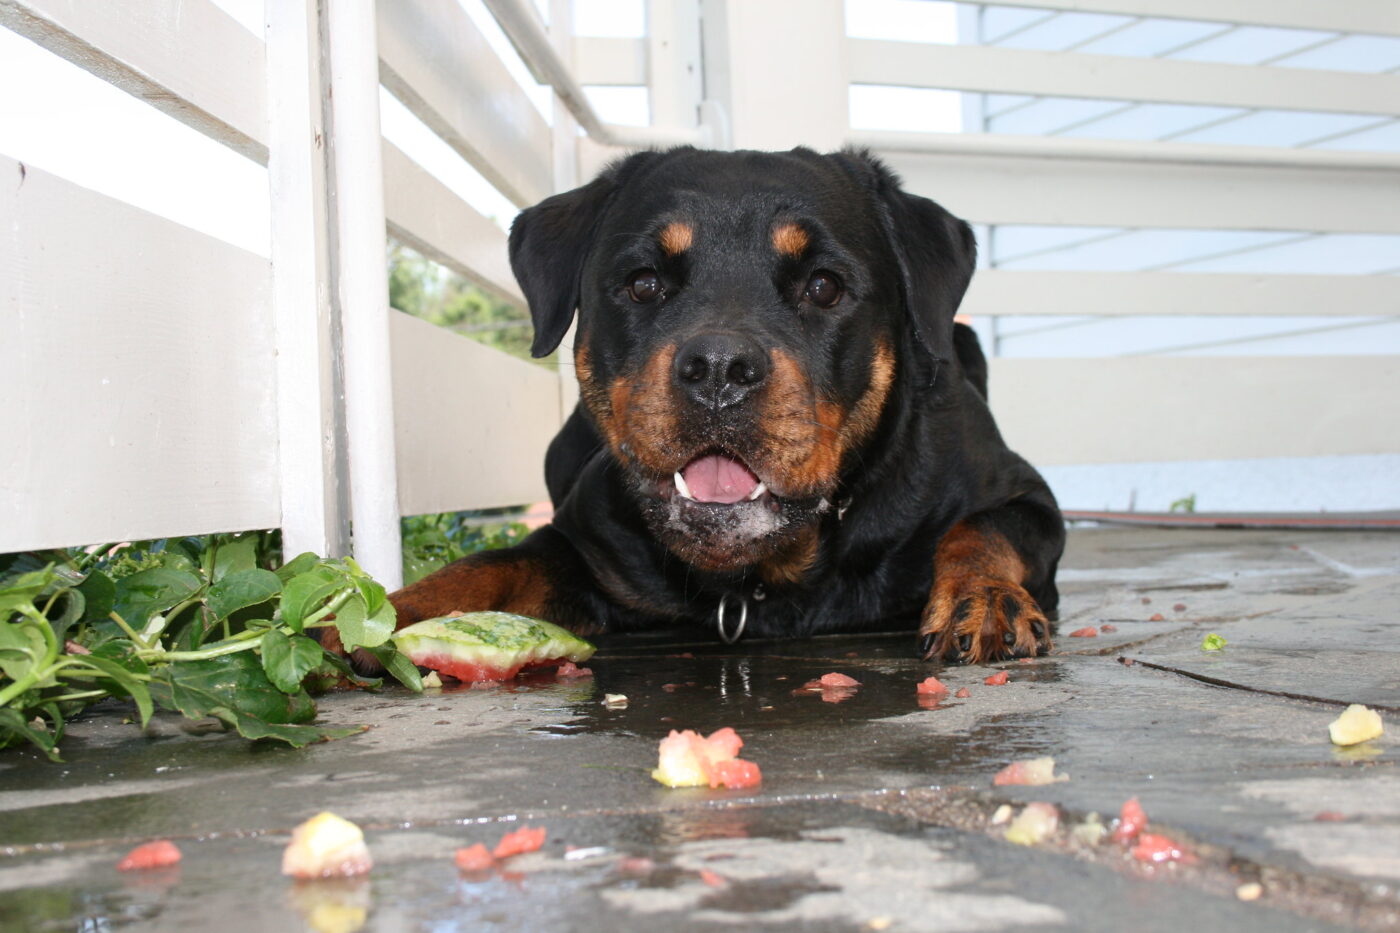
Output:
x,y
1064,411
139,374
472,423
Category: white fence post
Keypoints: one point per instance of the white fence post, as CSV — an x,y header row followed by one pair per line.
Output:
x,y
310,416
778,69
358,263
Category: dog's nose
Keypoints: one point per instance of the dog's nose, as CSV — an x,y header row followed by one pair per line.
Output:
x,y
719,371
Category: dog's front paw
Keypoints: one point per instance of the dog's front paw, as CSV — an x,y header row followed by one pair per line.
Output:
x,y
976,619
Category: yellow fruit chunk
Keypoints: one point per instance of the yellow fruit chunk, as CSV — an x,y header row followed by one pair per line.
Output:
x,y
326,846
1036,822
1357,724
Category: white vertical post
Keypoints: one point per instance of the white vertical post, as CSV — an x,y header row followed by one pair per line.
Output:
x,y
779,71
311,426
674,79
565,137
360,268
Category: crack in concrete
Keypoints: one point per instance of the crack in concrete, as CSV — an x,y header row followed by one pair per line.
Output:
x,y
1233,685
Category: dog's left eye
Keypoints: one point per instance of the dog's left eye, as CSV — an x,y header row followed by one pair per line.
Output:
x,y
643,286
823,289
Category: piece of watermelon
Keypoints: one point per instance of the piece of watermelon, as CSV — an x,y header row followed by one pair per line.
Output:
x,y
159,854
488,646
687,759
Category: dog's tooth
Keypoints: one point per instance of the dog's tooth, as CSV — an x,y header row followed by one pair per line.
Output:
x,y
681,487
758,490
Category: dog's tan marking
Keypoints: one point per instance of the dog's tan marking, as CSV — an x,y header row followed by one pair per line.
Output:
x,y
790,240
676,237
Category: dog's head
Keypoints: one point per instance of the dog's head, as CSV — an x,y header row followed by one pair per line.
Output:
x,y
744,320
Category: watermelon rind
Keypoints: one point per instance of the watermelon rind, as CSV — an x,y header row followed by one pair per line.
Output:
x,y
497,641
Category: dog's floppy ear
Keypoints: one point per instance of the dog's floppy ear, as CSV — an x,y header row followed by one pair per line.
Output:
x,y
936,252
549,244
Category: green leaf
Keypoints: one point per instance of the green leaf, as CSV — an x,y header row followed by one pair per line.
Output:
x,y
236,681
398,664
1213,642
373,594
297,565
147,592
74,606
306,592
361,630
13,726
13,566
100,594
22,647
240,589
123,652
250,727
126,681
23,589
286,660
233,555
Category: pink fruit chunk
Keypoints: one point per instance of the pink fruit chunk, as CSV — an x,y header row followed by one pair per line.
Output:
x,y
1087,631
837,680
736,773
474,858
1154,848
1030,772
525,839
931,686
997,679
571,671
1108,627
963,693
685,759
159,854
1131,821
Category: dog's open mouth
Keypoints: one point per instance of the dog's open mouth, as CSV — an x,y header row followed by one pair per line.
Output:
x,y
718,478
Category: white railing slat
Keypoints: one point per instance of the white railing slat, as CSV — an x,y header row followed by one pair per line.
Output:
x,y
187,58
428,216
471,423
1114,77
1064,182
1381,17
435,60
139,397
1127,294
1146,409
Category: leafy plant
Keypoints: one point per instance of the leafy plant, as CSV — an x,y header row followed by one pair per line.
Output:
x,y
1184,504
200,626
431,542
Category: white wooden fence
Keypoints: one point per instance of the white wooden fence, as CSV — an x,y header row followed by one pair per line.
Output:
x,y
158,381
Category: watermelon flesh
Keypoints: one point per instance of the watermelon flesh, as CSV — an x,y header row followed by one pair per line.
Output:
x,y
488,646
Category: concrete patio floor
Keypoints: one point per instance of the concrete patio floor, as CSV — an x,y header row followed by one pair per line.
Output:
x,y
874,813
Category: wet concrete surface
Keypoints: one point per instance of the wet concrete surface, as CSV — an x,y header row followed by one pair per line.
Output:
x,y
874,812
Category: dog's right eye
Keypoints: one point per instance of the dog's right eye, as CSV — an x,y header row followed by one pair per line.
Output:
x,y
644,286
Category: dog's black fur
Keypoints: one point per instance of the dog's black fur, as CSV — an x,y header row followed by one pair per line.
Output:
x,y
701,282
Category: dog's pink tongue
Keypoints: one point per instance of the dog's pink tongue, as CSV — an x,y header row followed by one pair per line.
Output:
x,y
719,479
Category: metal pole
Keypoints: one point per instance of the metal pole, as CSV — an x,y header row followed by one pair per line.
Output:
x,y
359,269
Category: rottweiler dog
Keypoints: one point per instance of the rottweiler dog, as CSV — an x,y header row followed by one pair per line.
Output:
x,y
782,432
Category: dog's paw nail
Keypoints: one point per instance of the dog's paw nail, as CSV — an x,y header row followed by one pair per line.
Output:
x,y
926,645
1038,630
1008,638
965,643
